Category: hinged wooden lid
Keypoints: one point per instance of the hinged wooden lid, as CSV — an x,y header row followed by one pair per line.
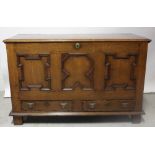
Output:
x,y
74,37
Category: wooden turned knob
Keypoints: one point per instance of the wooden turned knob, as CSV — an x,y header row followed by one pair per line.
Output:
x,y
30,105
92,105
63,105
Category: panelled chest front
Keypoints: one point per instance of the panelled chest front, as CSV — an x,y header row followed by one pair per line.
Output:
x,y
76,75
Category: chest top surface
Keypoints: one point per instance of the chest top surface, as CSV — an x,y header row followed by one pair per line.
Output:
x,y
74,37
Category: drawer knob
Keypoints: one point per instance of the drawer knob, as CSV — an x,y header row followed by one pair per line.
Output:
x,y
63,105
92,105
77,45
30,105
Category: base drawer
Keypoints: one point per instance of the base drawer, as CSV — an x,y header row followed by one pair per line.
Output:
x,y
78,106
109,105
46,106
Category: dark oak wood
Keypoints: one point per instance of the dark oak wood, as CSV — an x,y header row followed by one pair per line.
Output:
x,y
76,75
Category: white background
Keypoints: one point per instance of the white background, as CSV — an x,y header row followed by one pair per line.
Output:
x,y
145,31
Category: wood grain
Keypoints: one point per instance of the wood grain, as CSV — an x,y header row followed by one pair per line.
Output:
x,y
51,76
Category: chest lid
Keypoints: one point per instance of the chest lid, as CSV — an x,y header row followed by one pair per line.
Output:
x,y
74,37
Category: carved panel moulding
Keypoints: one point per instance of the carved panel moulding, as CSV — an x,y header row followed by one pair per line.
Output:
x,y
45,59
130,83
87,75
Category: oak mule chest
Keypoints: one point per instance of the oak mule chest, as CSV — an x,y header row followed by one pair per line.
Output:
x,y
76,75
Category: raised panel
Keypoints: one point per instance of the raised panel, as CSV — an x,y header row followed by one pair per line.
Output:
x,y
34,71
77,71
120,72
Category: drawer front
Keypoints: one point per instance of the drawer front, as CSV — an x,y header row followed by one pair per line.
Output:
x,y
109,105
51,106
45,106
